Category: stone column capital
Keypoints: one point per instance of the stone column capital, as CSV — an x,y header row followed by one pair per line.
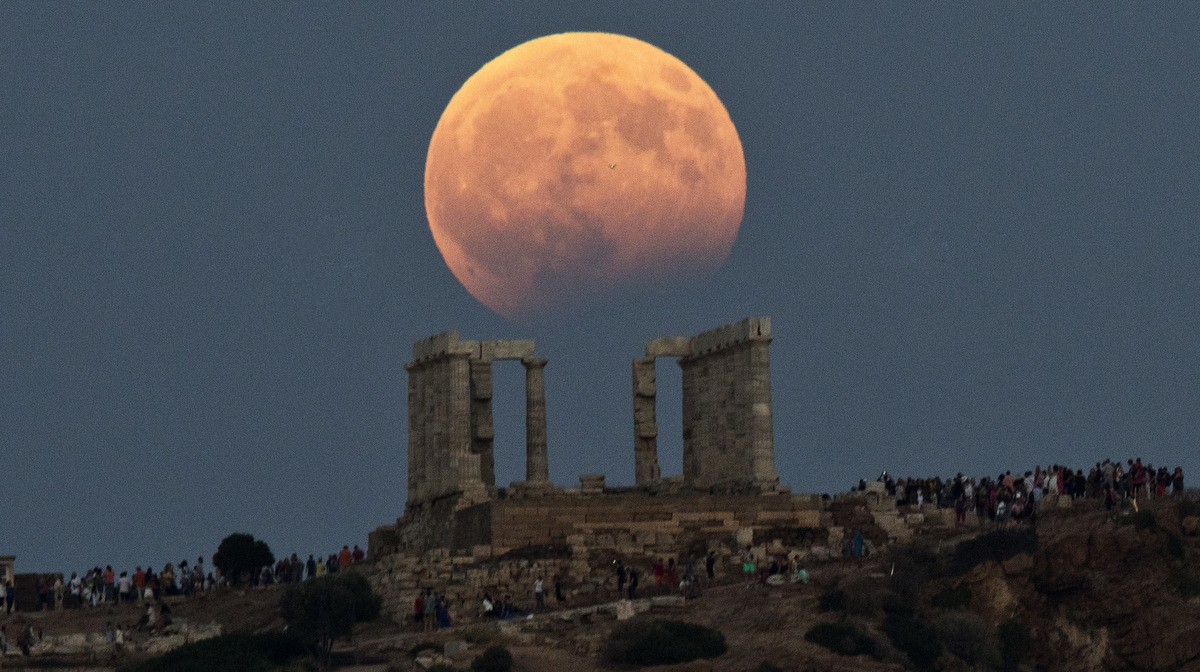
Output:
x,y
533,362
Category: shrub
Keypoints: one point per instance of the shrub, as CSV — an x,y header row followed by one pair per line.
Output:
x,y
322,609
834,600
1014,644
1175,546
998,546
1187,585
1141,520
842,638
914,638
914,566
864,597
493,659
240,554
238,651
968,637
953,598
1188,507
662,642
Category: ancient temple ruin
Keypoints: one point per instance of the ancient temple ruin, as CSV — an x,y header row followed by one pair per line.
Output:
x,y
728,433
450,417
466,535
729,454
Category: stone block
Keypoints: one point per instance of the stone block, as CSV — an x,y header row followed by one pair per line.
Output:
x,y
914,518
625,610
669,346
745,536
455,648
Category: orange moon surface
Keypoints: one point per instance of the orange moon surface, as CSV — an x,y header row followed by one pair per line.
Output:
x,y
578,163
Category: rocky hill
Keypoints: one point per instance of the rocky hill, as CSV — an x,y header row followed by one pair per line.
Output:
x,y
1084,589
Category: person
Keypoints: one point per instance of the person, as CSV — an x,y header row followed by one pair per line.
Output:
x,y
538,595
310,567
430,609
710,564
357,555
748,566
558,595
109,578
124,585
58,593
10,594
620,577
657,567
633,584
344,557
419,610
76,591
671,578
443,612
489,607
858,546
164,618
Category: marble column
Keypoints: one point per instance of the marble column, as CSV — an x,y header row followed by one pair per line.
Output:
x,y
537,463
645,423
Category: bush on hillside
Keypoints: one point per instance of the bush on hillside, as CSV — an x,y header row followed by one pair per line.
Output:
x,y
997,546
1187,585
1175,546
237,651
662,642
843,639
953,598
1188,507
970,638
915,638
1015,641
1140,520
493,659
914,565
323,609
833,600
241,554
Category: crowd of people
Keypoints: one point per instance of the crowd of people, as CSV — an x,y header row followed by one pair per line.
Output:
x,y
1011,497
105,586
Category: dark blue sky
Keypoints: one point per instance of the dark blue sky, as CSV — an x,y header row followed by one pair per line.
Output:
x,y
976,231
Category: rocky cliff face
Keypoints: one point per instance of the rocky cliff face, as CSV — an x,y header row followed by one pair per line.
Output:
x,y
1102,592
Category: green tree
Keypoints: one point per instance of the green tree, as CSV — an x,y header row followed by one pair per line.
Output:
x,y
241,553
323,609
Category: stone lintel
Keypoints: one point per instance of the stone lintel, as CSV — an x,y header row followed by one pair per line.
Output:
x,y
506,349
669,346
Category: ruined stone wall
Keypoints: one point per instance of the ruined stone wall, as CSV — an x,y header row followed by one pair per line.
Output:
x,y
728,430
629,523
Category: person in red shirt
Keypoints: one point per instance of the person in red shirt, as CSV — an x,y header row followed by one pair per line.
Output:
x,y
344,557
139,580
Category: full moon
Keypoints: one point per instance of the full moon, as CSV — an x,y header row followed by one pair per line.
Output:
x,y
580,163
